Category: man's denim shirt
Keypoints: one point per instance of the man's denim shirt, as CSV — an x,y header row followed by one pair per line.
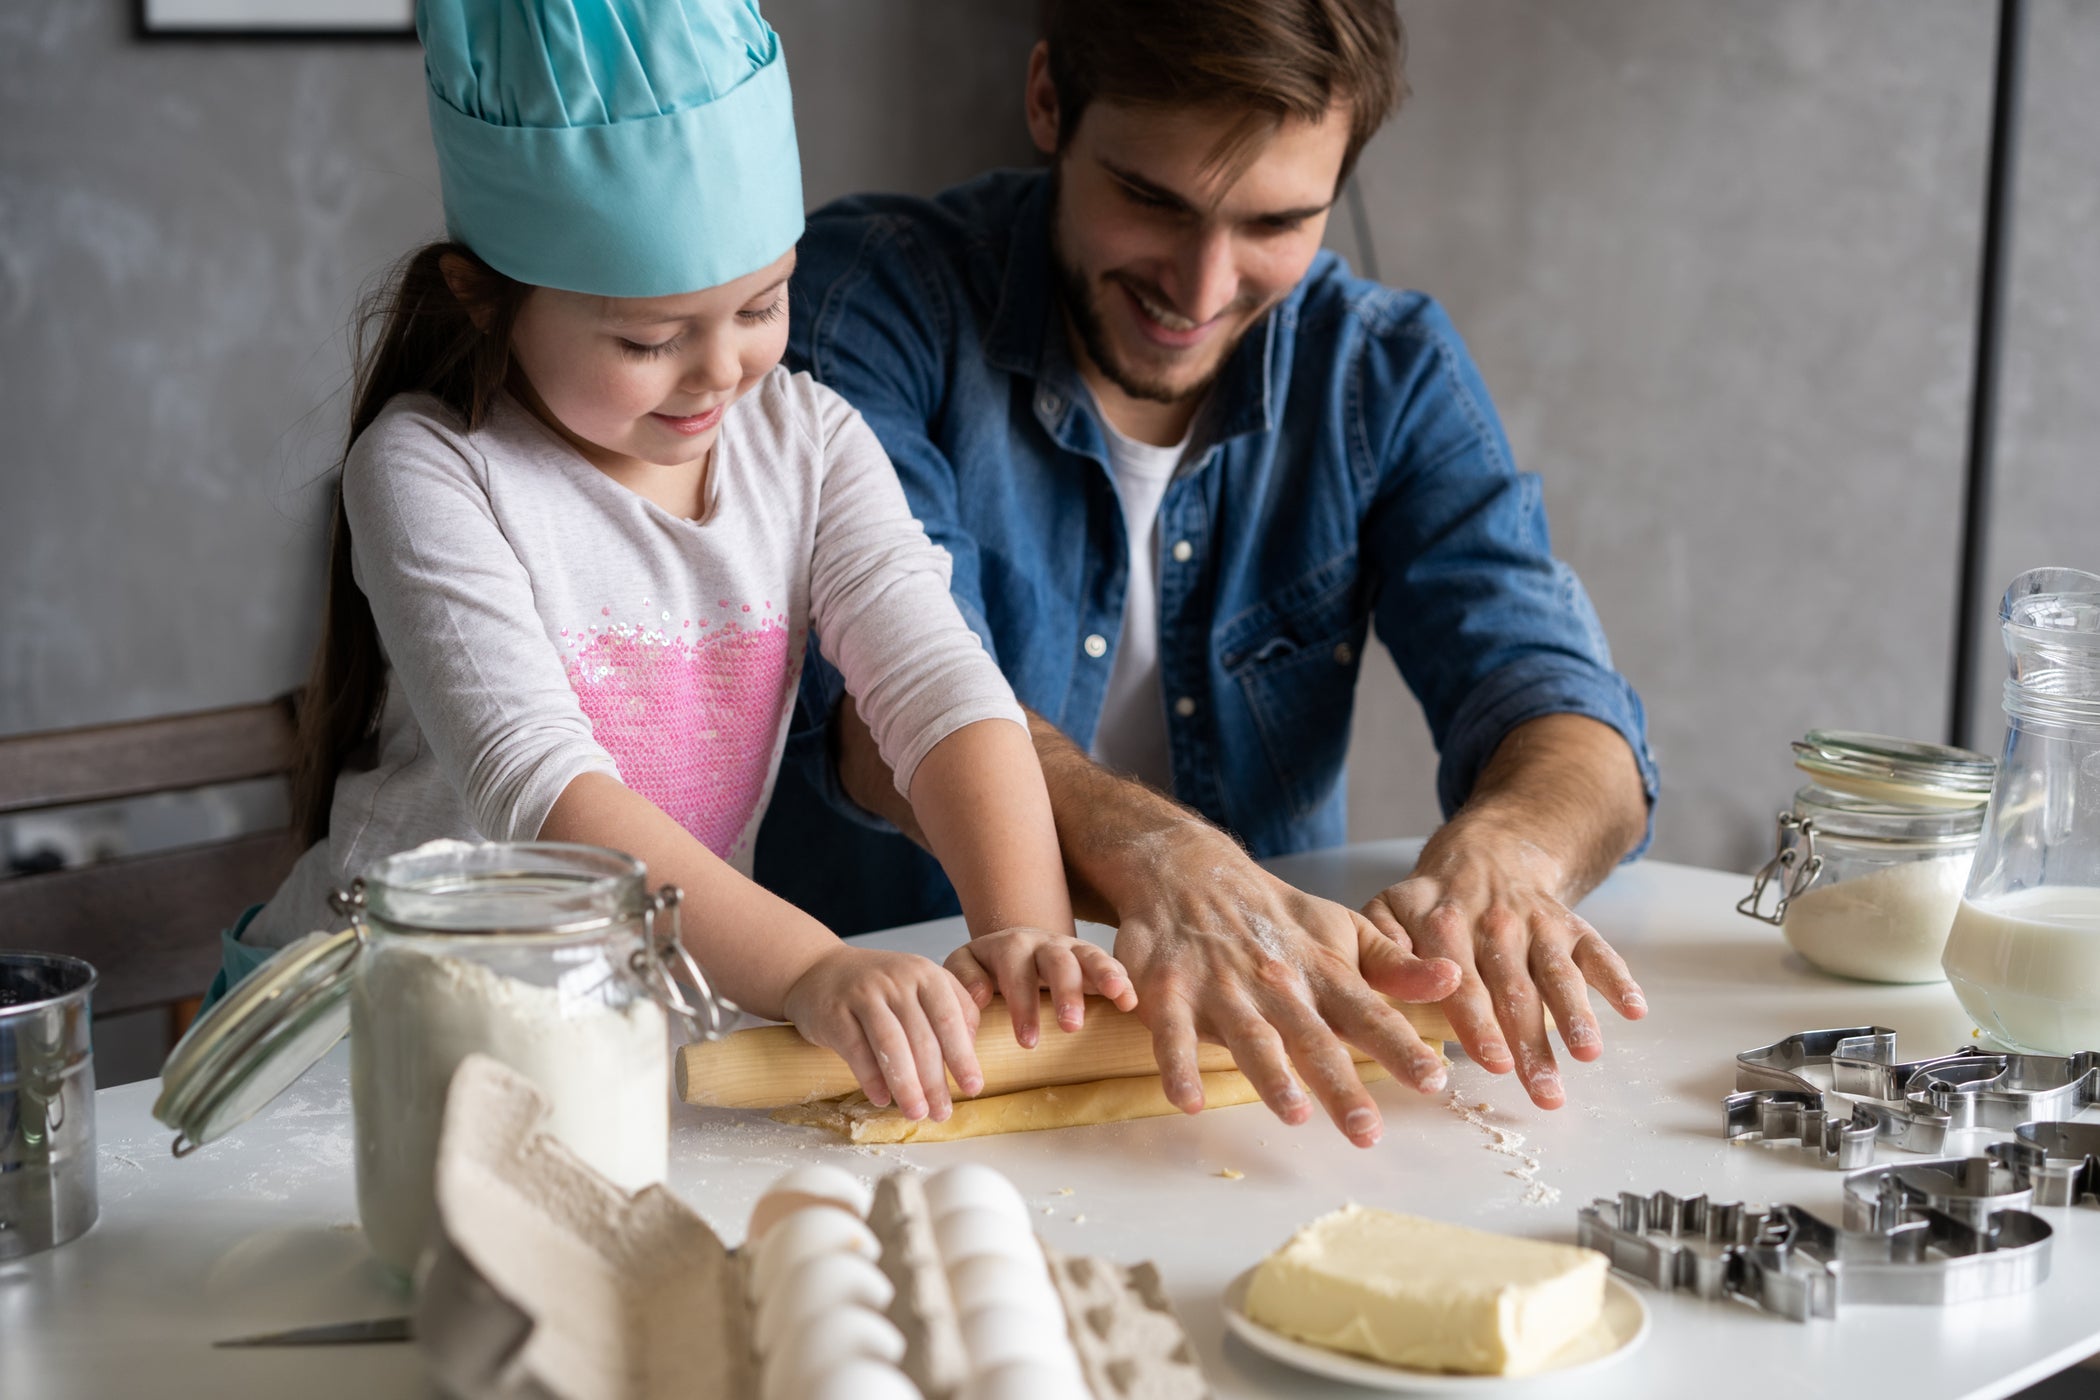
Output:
x,y
1346,472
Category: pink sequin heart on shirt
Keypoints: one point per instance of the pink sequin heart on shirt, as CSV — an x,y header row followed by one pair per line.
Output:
x,y
691,724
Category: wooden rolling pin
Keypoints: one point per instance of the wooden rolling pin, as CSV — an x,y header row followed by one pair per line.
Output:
x,y
772,1066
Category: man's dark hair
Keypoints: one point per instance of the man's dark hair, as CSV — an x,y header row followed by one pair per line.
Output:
x,y
1274,59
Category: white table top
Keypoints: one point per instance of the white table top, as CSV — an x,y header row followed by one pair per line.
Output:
x,y
258,1231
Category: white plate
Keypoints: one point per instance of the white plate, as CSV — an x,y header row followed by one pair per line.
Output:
x,y
1619,1332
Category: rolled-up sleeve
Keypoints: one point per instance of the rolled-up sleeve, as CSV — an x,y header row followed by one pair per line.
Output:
x,y
1489,629
454,608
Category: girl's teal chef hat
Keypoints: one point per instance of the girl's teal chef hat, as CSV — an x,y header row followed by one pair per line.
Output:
x,y
626,148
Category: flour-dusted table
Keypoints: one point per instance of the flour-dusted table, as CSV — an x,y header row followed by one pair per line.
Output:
x,y
258,1231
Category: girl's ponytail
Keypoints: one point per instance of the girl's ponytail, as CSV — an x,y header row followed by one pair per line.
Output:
x,y
440,326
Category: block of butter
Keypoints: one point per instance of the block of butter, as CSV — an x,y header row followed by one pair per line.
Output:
x,y
1427,1295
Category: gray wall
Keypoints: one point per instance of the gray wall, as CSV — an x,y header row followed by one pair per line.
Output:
x,y
1716,259
1718,264
184,229
2048,488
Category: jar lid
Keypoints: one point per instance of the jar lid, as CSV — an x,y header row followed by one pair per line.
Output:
x,y
1878,767
274,1026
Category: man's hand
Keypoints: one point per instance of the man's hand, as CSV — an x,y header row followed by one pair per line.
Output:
x,y
1494,891
1223,951
1492,909
1217,948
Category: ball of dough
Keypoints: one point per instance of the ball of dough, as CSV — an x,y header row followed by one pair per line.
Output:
x,y
806,1186
973,1187
974,1230
820,1283
811,1230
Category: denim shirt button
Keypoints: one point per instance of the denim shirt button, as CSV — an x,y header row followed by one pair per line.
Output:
x,y
1047,402
1183,551
1344,654
1096,645
1185,706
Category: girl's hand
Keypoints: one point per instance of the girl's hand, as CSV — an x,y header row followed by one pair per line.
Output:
x,y
898,1020
1017,962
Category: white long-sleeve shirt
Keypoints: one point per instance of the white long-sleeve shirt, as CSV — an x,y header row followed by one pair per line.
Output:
x,y
542,621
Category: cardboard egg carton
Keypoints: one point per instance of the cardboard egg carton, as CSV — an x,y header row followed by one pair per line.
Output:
x,y
549,1281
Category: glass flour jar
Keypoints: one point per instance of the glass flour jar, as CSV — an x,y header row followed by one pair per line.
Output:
x,y
1874,853
533,954
555,959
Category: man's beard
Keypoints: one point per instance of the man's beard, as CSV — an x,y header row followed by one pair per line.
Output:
x,y
1085,318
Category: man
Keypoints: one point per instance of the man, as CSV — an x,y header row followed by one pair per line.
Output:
x,y
1183,461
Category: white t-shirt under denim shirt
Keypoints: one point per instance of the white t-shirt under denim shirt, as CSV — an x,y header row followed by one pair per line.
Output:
x,y
541,621
1132,734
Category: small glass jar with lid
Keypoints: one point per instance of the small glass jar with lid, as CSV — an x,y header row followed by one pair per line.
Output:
x,y
554,959
1873,855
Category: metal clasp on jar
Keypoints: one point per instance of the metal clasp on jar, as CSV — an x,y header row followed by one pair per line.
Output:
x,y
350,904
663,957
1795,866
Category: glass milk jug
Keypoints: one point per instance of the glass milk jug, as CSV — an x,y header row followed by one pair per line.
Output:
x,y
2024,954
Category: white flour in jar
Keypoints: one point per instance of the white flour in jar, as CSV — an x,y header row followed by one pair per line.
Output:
x,y
1890,926
415,1016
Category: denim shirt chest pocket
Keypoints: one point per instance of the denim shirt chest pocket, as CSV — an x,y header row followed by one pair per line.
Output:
x,y
1295,657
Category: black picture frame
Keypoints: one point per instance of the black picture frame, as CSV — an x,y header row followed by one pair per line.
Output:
x,y
301,21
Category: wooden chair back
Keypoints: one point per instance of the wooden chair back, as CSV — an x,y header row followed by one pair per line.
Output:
x,y
149,923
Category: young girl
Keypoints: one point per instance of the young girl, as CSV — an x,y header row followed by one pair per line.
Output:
x,y
586,523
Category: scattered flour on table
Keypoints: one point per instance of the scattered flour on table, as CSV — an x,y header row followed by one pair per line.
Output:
x,y
1509,1143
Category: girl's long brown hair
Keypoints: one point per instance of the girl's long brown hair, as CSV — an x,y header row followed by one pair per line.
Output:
x,y
421,332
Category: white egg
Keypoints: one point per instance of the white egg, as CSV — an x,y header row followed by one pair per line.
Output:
x,y
1026,1380
1002,1333
819,1284
985,1279
806,1186
827,1343
972,1187
862,1380
811,1230
964,1233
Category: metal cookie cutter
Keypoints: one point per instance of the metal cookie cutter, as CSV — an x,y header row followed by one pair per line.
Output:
x,y
1775,1100
1909,1104
2060,1160
2002,1090
1786,1261
1698,1246
1970,1189
1784,1114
